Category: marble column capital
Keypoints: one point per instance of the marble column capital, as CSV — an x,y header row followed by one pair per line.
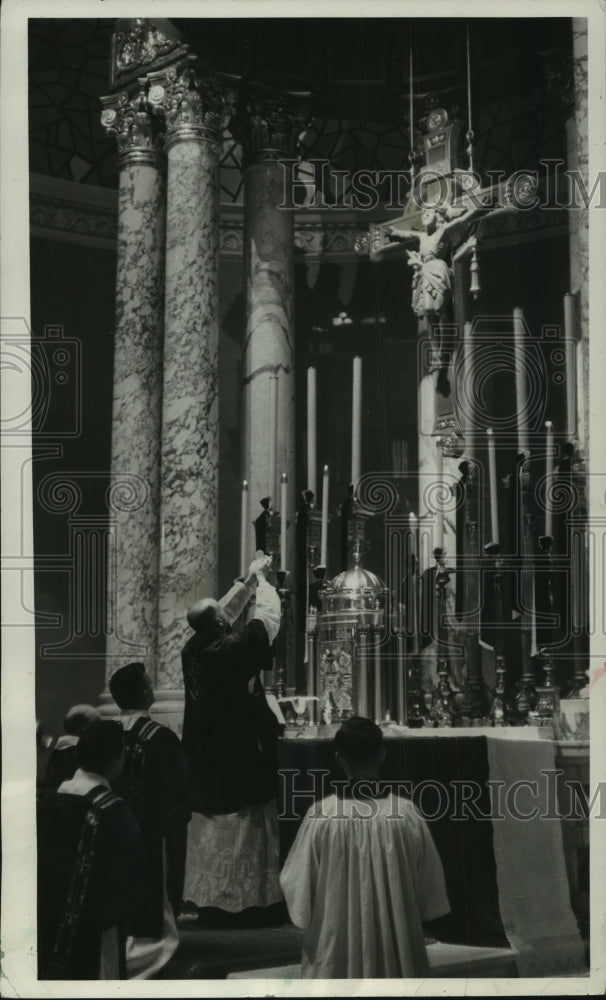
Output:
x,y
267,128
138,132
190,100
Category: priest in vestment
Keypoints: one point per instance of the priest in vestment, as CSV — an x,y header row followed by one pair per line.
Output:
x,y
155,783
63,760
230,738
90,877
363,873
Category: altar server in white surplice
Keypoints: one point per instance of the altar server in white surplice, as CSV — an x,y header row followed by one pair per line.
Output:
x,y
363,873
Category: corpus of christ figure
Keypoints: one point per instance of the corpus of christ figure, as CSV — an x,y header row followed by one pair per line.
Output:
x,y
433,265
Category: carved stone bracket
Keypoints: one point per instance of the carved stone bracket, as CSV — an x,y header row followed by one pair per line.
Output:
x,y
190,100
140,43
137,131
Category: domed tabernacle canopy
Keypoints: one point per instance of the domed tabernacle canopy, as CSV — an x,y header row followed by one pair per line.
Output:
x,y
355,589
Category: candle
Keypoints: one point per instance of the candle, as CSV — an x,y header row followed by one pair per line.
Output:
x,y
521,382
283,487
549,480
356,421
324,536
570,335
243,524
439,543
273,435
492,479
311,429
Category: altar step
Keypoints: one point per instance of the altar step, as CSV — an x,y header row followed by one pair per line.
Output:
x,y
205,953
275,953
447,961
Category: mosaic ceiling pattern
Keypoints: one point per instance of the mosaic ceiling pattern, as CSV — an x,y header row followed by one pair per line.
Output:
x,y
69,70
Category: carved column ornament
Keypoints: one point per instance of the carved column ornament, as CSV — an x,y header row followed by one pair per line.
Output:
x,y
190,100
266,127
138,132
138,42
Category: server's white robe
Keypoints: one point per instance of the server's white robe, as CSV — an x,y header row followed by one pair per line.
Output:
x,y
359,880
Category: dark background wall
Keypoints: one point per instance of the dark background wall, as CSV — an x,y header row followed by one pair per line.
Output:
x,y
72,295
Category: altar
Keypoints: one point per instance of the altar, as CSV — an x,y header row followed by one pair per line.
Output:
x,y
490,798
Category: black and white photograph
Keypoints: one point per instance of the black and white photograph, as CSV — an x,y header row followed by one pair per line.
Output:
x,y
304,498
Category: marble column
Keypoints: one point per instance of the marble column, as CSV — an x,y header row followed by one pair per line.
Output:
x,y
266,131
132,631
192,106
577,141
575,94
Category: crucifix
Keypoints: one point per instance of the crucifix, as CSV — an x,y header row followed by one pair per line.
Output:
x,y
440,228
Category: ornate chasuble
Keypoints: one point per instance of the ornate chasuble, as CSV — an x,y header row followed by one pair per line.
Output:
x,y
89,878
155,784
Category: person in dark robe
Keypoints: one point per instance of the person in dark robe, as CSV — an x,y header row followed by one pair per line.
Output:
x,y
230,737
155,783
62,762
90,877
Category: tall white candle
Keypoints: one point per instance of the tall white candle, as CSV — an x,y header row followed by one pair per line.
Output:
x,y
273,437
439,543
549,480
324,535
243,528
356,421
570,335
492,482
519,344
311,429
283,508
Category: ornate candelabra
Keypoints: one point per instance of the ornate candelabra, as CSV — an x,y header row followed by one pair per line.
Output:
x,y
443,706
474,704
267,530
579,576
503,710
526,693
399,631
547,702
282,643
416,709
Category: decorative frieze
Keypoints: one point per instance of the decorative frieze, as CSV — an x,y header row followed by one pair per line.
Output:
x,y
83,213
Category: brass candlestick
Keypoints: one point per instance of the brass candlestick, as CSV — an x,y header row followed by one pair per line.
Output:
x,y
285,594
443,706
503,711
547,694
526,695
